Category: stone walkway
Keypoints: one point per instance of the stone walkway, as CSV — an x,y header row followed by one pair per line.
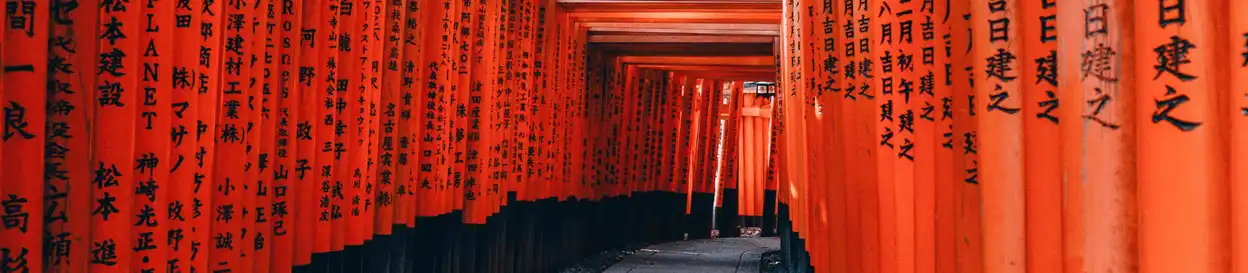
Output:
x,y
729,255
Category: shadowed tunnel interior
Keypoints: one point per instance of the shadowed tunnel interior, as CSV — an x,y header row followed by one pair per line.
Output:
x,y
525,135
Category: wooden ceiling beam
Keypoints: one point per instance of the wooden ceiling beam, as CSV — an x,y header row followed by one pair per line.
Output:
x,y
635,5
679,39
707,68
626,31
695,26
660,49
736,76
762,61
678,17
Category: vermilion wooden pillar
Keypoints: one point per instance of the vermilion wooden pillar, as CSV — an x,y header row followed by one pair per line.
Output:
x,y
702,199
308,119
728,220
348,168
25,129
478,138
113,139
374,87
771,171
967,215
999,95
924,106
286,209
346,84
816,180
68,158
824,69
266,100
1040,115
943,176
1238,134
1178,112
253,143
327,137
431,170
7,247
410,128
1098,138
885,133
390,206
966,132
233,116
901,53
847,96
152,125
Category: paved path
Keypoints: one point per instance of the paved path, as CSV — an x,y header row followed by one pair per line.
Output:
x,y
727,255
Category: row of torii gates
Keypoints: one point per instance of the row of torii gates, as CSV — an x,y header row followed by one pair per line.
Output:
x,y
522,135
360,136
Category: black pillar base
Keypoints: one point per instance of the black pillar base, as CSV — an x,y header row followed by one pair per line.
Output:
x,y
424,245
769,213
352,258
726,220
700,215
395,247
468,251
336,261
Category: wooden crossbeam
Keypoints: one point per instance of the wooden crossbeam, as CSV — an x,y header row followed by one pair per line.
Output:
x,y
699,26
678,17
678,39
626,31
761,61
670,67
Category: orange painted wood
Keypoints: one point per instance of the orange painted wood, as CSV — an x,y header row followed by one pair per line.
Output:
x,y
1180,127
257,179
1040,101
924,105
436,71
711,90
234,117
68,165
832,215
344,191
944,177
999,96
887,140
732,144
476,205
116,107
267,104
907,108
411,115
391,185
1238,133
325,105
308,118
2,92
851,135
286,87
373,89
1100,219
252,76
457,100
676,16
25,129
967,214
152,145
